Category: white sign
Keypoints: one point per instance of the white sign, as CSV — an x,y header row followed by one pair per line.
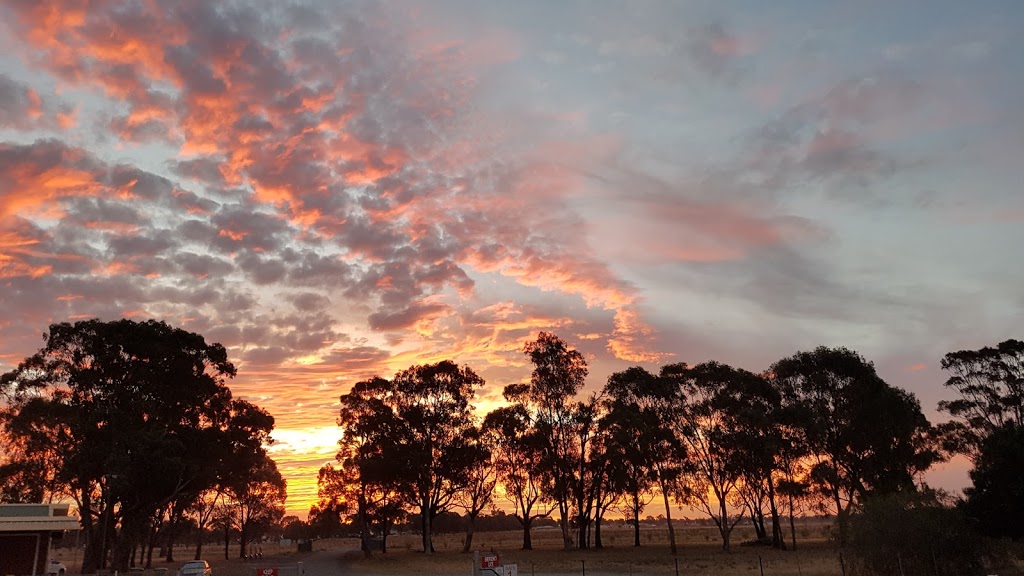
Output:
x,y
511,569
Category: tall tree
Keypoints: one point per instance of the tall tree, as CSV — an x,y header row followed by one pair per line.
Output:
x,y
635,437
864,435
753,407
708,425
129,416
370,458
990,386
656,400
518,452
559,373
433,402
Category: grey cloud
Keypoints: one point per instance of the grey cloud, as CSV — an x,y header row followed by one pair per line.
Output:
x,y
405,318
202,265
18,109
309,301
93,211
261,270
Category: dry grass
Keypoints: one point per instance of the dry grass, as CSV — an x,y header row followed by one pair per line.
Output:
x,y
700,554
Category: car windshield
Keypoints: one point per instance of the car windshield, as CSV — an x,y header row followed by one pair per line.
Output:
x,y
194,565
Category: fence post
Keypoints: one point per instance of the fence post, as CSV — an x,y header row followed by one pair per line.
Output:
x,y
899,562
677,566
476,563
842,565
584,562
760,564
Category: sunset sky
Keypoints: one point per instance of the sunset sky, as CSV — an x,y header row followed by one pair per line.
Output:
x,y
339,189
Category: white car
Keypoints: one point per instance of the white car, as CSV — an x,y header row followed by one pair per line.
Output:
x,y
195,568
56,567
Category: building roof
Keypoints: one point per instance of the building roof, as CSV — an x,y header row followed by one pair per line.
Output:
x,y
36,518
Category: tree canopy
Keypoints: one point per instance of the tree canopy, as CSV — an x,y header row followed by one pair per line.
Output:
x,y
126,418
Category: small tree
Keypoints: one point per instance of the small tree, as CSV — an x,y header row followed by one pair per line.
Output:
x,y
259,502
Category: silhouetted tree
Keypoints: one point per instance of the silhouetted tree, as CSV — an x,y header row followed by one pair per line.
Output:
x,y
126,417
481,478
258,498
518,452
636,438
559,373
864,435
433,404
711,426
990,385
371,456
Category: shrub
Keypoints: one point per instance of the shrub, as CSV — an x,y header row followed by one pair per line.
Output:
x,y
914,535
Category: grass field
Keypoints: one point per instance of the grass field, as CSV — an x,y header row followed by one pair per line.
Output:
x,y
700,554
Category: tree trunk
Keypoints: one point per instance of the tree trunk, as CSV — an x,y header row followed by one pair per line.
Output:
x,y
527,541
778,540
428,545
227,539
723,526
792,523
199,545
170,536
840,517
636,519
243,536
149,547
563,510
597,532
124,548
90,556
364,528
668,517
469,533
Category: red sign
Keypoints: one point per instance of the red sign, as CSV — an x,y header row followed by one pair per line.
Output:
x,y
266,572
489,561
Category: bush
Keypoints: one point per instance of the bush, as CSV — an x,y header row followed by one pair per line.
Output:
x,y
915,535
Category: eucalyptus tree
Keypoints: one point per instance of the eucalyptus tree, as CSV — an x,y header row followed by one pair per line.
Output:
x,y
126,417
863,435
549,399
710,428
407,438
518,454
989,383
639,408
258,498
481,479
433,402
370,459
